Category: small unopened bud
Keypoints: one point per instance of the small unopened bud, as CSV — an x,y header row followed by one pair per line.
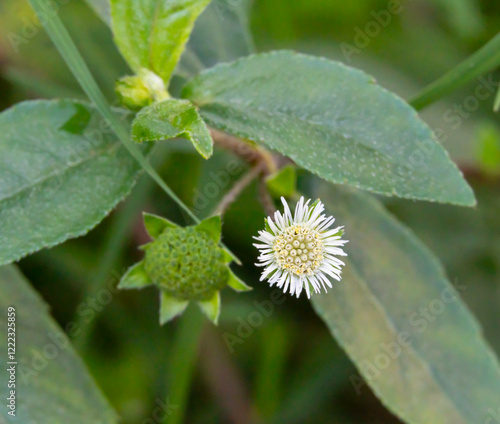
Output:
x,y
186,264
139,91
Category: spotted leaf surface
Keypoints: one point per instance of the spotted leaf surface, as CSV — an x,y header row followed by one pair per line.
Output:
x,y
402,322
60,174
170,119
53,386
152,34
333,120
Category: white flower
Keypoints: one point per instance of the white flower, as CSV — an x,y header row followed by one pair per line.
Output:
x,y
300,251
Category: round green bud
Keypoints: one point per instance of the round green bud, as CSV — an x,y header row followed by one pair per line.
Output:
x,y
141,90
187,264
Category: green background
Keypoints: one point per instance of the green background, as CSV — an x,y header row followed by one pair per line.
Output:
x,y
288,369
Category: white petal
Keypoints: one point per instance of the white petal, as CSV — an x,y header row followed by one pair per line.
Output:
x,y
288,280
331,232
297,285
314,216
287,213
324,225
263,246
282,279
324,280
298,210
306,286
268,270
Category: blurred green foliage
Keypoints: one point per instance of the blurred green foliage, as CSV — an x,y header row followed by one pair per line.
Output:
x,y
282,371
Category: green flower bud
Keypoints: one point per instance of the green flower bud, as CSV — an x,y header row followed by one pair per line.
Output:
x,y
185,264
173,263
139,91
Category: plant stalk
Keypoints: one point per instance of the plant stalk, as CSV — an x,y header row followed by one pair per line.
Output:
x,y
69,52
486,59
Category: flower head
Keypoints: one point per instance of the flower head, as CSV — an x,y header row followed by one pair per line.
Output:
x,y
300,251
186,264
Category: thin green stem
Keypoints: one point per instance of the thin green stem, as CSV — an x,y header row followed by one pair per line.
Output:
x,y
496,106
271,370
182,364
314,390
68,50
109,256
63,42
486,59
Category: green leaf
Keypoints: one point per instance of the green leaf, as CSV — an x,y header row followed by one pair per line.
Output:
x,y
102,9
488,148
227,257
136,277
212,226
152,34
221,34
171,119
65,45
496,106
335,122
38,68
155,225
61,174
210,42
211,307
170,307
282,182
402,323
52,385
236,283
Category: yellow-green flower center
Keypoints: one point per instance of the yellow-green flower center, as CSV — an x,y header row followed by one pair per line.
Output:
x,y
299,250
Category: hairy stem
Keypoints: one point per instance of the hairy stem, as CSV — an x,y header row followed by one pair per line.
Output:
x,y
238,187
263,160
266,199
246,151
